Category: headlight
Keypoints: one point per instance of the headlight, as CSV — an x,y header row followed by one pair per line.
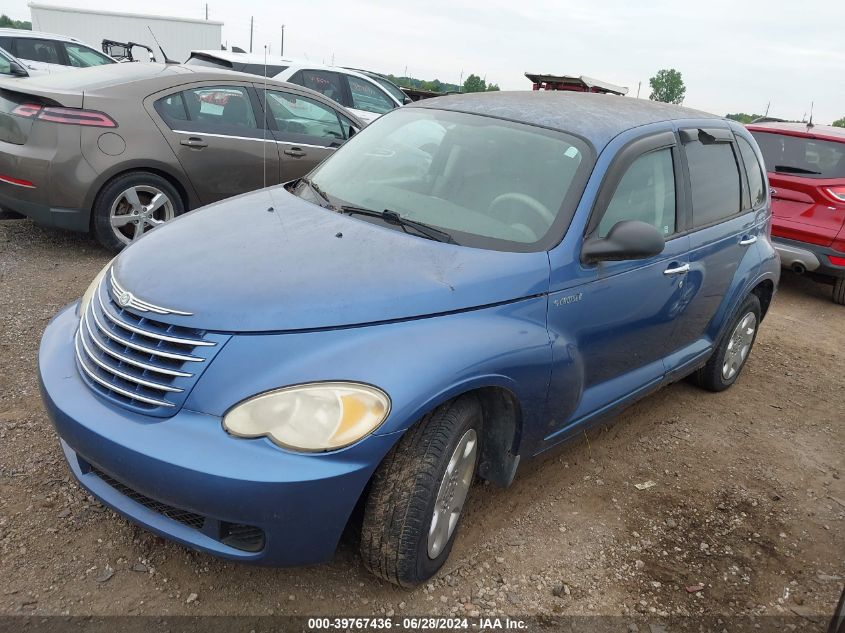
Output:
x,y
86,298
315,417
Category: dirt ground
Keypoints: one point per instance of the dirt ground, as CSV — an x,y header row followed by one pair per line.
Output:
x,y
749,502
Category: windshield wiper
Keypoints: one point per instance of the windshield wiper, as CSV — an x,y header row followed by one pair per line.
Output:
x,y
795,170
316,188
391,217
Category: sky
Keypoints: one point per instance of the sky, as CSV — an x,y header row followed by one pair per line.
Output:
x,y
734,56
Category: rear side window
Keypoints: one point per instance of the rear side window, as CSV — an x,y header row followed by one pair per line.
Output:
x,y
715,182
367,97
259,69
213,109
208,62
46,51
800,156
326,83
756,179
646,193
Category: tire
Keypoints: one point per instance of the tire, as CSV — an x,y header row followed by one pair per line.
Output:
x,y
839,291
115,200
719,373
400,508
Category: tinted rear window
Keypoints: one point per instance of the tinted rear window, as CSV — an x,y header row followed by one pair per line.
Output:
x,y
714,177
799,156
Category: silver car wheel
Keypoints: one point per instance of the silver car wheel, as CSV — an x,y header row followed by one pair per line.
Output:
x,y
739,346
138,210
453,491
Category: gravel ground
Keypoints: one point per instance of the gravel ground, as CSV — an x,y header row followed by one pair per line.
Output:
x,y
746,516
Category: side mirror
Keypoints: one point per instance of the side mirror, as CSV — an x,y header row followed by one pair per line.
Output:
x,y
407,100
16,70
628,239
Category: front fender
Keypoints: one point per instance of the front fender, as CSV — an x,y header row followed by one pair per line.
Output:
x,y
419,363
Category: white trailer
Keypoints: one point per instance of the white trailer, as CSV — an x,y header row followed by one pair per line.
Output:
x,y
178,36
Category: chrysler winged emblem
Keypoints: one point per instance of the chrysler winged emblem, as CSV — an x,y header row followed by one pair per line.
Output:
x,y
126,299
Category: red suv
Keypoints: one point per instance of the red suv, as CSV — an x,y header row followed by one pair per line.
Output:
x,y
806,166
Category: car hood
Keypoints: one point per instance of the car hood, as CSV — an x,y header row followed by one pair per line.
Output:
x,y
270,261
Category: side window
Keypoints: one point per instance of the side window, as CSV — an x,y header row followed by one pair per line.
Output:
x,y
715,182
367,97
756,180
219,107
326,83
298,116
5,65
45,51
646,193
6,44
172,108
82,57
258,69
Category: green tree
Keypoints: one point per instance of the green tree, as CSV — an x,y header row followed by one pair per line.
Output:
x,y
667,86
7,22
839,122
492,87
742,117
474,83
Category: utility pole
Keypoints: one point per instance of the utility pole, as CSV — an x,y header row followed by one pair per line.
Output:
x,y
282,49
206,10
639,85
461,81
251,22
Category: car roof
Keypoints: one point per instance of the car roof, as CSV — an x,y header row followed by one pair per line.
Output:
x,y
826,132
596,117
38,35
276,60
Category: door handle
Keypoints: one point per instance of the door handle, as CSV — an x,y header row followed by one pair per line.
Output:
x,y
194,142
295,151
748,240
677,270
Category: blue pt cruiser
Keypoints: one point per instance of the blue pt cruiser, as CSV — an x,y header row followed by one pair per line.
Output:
x,y
466,283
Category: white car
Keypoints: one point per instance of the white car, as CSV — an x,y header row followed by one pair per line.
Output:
x,y
360,94
44,53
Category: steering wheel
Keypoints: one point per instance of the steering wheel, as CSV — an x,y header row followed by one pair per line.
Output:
x,y
508,208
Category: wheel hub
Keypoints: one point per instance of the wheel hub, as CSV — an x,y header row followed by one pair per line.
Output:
x,y
454,487
739,345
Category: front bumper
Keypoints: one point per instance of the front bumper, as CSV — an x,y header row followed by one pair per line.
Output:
x,y
164,473
805,257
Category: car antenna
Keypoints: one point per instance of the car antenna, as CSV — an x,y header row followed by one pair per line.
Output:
x,y
167,60
264,127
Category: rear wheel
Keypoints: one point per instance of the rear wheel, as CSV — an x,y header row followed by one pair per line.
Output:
x,y
839,291
418,494
727,361
132,205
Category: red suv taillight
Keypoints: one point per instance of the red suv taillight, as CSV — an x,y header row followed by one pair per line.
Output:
x,y
836,193
66,116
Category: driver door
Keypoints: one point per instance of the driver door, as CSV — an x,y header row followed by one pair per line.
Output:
x,y
614,330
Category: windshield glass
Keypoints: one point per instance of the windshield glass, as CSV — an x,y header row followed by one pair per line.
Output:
x,y
801,156
487,182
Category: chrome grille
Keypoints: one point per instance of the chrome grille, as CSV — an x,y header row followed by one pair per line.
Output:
x,y
136,361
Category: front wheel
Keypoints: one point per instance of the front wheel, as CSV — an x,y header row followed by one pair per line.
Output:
x,y
727,361
131,205
418,494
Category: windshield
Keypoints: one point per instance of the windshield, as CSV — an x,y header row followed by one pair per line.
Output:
x,y
801,156
487,182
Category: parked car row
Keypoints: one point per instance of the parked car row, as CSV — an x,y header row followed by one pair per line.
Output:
x,y
152,142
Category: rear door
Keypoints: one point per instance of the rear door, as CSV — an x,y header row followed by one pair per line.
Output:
x,y
368,100
39,54
802,170
727,221
306,130
216,132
